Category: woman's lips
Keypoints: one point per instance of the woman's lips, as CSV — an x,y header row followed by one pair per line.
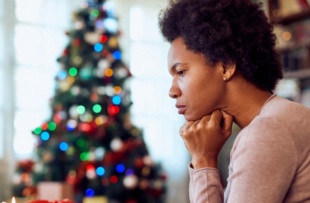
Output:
x,y
181,109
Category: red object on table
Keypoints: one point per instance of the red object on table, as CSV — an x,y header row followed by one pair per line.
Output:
x,y
54,201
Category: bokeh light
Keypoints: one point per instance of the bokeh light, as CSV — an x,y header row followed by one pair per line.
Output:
x,y
99,120
109,72
117,89
62,75
52,126
71,125
44,126
112,110
120,168
103,39
117,55
94,97
80,142
97,108
90,193
105,53
80,109
286,36
90,168
63,146
129,172
45,136
116,100
84,156
98,47
100,171
110,24
113,179
94,13
73,71
38,130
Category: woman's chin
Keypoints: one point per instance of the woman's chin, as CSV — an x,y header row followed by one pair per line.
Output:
x,y
189,118
194,117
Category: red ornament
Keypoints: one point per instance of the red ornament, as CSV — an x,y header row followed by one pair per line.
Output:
x,y
94,97
90,168
65,52
44,126
85,127
71,180
105,53
29,191
76,42
103,38
107,80
113,179
26,165
139,162
57,118
112,110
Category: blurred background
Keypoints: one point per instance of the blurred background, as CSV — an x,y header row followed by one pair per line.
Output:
x,y
34,33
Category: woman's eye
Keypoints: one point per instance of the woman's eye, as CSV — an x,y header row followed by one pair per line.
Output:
x,y
180,72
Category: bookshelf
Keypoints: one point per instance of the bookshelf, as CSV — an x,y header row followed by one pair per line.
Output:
x,y
298,64
291,18
299,74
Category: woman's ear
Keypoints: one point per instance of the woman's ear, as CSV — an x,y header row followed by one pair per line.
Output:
x,y
228,70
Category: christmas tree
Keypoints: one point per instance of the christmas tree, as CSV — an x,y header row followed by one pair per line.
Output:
x,y
89,141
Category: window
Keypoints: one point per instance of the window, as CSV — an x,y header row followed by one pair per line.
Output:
x,y
39,40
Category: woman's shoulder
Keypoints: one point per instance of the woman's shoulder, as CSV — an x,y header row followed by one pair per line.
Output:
x,y
281,109
265,136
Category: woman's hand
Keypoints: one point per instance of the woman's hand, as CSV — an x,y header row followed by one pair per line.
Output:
x,y
205,138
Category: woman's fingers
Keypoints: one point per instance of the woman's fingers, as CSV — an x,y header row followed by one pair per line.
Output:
x,y
216,118
227,123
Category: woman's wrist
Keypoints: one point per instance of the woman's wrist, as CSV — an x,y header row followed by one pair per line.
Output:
x,y
211,163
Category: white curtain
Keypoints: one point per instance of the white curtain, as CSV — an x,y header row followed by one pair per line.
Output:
x,y
32,36
153,110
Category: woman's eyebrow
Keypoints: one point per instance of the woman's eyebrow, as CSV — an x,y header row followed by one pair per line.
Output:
x,y
172,69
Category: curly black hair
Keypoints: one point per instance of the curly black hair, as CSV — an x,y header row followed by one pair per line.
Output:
x,y
235,31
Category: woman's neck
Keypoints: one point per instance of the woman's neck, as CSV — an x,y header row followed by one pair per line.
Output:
x,y
244,103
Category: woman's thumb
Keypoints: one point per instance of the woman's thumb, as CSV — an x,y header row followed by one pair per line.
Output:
x,y
227,123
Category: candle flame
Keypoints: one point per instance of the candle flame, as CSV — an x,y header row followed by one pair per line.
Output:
x,y
13,200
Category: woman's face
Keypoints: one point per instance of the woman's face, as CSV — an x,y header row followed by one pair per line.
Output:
x,y
197,87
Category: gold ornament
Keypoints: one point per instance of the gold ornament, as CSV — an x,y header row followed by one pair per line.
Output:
x,y
113,42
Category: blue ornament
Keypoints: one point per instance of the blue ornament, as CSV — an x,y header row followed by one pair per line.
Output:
x,y
45,136
90,193
120,168
62,75
116,100
100,171
98,47
63,146
117,55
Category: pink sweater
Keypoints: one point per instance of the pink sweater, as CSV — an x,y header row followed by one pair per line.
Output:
x,y
270,160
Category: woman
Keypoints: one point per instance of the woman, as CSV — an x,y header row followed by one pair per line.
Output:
x,y
224,65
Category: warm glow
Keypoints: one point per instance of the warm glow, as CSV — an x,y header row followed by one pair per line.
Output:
x,y
13,200
109,72
99,121
117,90
286,36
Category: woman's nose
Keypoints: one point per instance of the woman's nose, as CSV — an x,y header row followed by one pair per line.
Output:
x,y
174,91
